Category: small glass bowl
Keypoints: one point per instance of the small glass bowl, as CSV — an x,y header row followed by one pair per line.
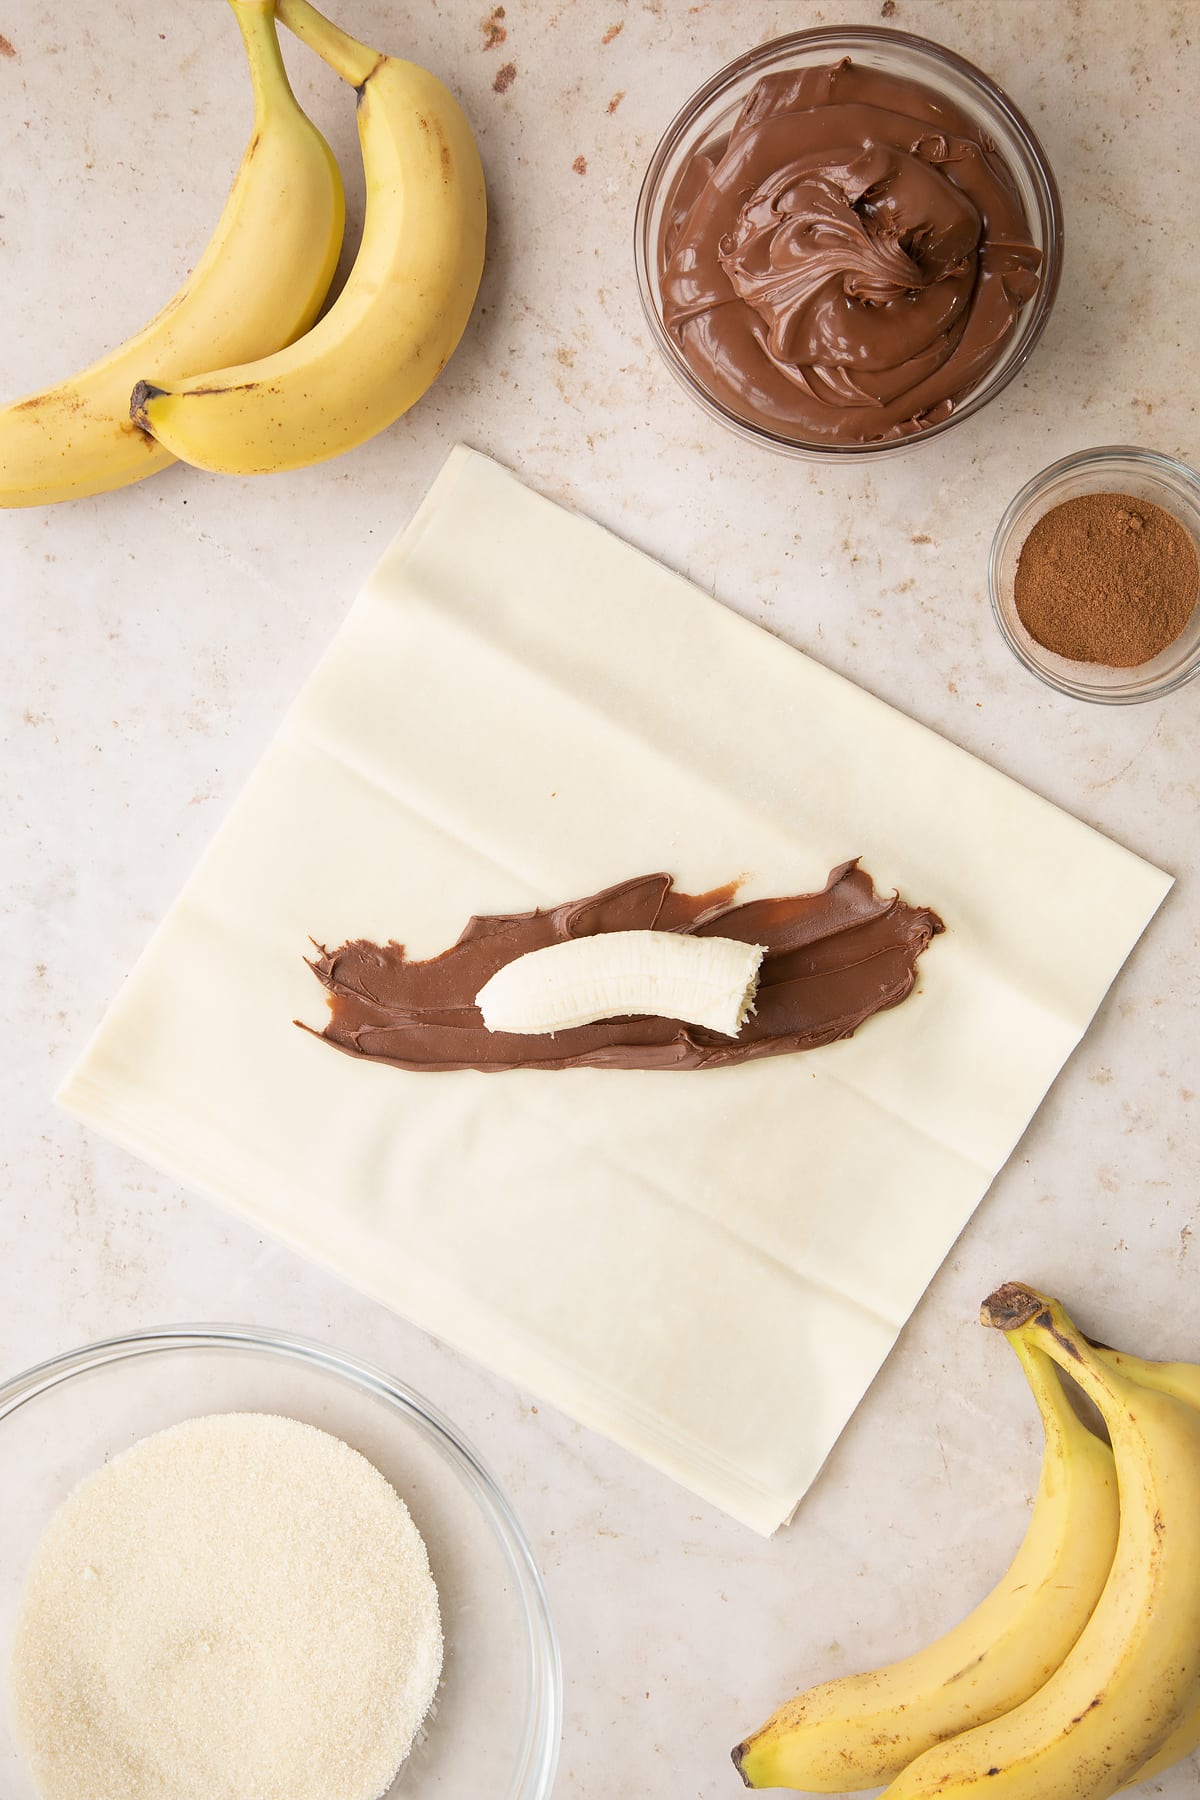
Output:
x,y
1113,469
497,1716
711,112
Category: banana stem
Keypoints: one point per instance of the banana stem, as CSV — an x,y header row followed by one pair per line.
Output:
x,y
353,61
1011,1306
256,22
1026,1316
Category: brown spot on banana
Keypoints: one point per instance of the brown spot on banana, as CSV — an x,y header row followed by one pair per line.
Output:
x,y
242,387
361,88
1045,1323
145,391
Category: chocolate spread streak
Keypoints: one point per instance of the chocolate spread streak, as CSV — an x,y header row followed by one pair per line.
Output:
x,y
849,261
832,960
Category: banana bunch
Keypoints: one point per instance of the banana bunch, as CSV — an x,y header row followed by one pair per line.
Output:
x,y
237,372
1080,1673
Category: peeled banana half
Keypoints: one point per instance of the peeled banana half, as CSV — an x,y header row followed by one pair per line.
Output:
x,y
259,285
709,981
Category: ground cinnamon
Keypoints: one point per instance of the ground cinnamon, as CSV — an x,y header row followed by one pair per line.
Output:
x,y
1107,578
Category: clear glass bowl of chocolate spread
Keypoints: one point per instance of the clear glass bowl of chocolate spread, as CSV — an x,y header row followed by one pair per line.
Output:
x,y
847,241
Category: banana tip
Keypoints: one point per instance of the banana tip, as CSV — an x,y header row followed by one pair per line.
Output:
x,y
143,392
737,1753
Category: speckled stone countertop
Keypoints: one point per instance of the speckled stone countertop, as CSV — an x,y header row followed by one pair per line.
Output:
x,y
154,637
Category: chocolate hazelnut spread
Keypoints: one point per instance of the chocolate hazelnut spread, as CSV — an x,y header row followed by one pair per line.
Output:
x,y
832,959
850,261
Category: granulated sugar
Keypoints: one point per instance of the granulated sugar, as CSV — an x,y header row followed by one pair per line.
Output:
x,y
239,1608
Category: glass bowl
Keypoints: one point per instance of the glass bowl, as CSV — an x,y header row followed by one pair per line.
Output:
x,y
497,1716
710,113
1113,469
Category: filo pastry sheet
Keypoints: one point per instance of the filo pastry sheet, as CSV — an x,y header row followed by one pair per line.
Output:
x,y
708,1267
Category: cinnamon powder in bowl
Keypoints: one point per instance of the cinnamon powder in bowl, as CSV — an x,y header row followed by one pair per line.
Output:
x,y
1106,578
1095,576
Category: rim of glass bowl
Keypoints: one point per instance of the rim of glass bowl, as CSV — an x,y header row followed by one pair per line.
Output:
x,y
543,1730
1049,219
1104,455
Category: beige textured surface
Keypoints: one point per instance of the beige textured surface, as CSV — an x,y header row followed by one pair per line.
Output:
x,y
520,709
154,639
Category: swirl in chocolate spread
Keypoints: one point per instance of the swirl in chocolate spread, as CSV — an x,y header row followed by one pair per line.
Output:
x,y
832,959
850,261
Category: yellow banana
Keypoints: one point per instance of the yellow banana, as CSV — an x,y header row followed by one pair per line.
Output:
x,y
259,284
406,301
1134,1673
861,1730
1183,1381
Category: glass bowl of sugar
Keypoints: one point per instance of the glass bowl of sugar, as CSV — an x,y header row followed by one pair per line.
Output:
x,y
495,1722
1099,551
